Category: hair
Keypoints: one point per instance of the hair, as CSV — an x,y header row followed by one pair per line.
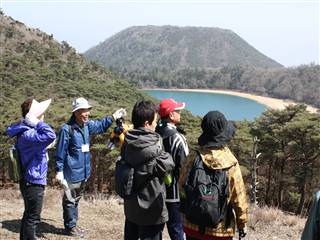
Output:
x,y
25,107
143,111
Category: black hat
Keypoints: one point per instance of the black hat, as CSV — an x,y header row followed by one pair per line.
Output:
x,y
216,130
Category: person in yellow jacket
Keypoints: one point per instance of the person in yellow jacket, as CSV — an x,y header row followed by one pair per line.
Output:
x,y
217,133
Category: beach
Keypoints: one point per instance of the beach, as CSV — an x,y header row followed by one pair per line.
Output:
x,y
269,102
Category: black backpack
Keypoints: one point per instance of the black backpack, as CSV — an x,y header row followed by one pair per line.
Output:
x,y
124,179
124,174
206,192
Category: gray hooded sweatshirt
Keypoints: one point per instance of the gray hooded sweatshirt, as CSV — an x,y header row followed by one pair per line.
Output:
x,y
142,149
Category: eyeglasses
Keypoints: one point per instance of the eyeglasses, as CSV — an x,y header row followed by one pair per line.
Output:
x,y
177,111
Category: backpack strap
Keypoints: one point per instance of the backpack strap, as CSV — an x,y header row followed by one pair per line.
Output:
x,y
70,130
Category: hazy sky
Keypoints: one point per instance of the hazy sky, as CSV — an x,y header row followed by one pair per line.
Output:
x,y
286,31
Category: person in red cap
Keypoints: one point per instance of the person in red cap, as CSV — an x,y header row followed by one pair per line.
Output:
x,y
174,143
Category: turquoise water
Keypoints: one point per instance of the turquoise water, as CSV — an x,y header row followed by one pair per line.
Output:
x,y
199,103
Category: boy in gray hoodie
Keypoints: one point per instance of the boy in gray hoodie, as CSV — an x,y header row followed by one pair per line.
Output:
x,y
146,211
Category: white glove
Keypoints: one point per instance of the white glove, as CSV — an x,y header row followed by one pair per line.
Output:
x,y
60,177
65,183
119,113
31,120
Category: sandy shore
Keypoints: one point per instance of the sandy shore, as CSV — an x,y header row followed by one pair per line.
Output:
x,y
269,102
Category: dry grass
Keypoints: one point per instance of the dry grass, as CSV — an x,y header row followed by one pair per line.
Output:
x,y
103,218
271,223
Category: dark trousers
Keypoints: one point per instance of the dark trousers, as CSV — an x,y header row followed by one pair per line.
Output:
x,y
33,199
70,206
174,225
213,238
133,231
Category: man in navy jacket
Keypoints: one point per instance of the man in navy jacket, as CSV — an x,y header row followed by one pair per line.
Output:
x,y
73,158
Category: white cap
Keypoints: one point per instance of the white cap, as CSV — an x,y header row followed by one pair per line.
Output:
x,y
38,108
80,103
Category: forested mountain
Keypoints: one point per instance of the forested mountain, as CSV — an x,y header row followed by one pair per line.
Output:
x,y
196,57
169,47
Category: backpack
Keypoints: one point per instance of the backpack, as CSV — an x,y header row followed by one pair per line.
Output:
x,y
15,169
206,193
124,178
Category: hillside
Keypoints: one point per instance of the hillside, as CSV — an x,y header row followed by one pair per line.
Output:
x,y
34,64
102,217
169,47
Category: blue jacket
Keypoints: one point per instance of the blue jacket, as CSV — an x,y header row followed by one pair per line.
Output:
x,y
70,159
31,144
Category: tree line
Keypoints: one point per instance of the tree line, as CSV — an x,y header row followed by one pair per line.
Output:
x,y
300,84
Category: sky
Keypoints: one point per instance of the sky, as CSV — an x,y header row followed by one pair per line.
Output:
x,y
285,30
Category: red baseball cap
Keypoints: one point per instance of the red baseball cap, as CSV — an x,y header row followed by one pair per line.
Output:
x,y
169,105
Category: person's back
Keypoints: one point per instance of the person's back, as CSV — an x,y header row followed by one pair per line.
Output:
x,y
33,138
145,212
215,155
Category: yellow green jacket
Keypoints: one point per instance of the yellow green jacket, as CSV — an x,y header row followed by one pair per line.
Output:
x,y
224,159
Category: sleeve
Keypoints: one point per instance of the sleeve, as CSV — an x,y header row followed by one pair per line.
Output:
x,y
164,164
42,136
99,126
238,197
180,150
62,148
186,167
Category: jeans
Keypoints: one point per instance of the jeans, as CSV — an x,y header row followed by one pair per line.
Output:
x,y
133,231
70,206
174,224
33,200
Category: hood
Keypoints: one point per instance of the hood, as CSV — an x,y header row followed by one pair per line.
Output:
x,y
17,128
141,137
141,145
218,158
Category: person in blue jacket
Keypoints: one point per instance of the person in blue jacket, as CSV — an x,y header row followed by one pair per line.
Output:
x,y
73,158
33,138
311,230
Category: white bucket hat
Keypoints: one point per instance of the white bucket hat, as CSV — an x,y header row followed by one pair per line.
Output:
x,y
38,108
80,103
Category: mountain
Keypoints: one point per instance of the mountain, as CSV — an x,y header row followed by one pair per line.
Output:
x,y
205,58
170,47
